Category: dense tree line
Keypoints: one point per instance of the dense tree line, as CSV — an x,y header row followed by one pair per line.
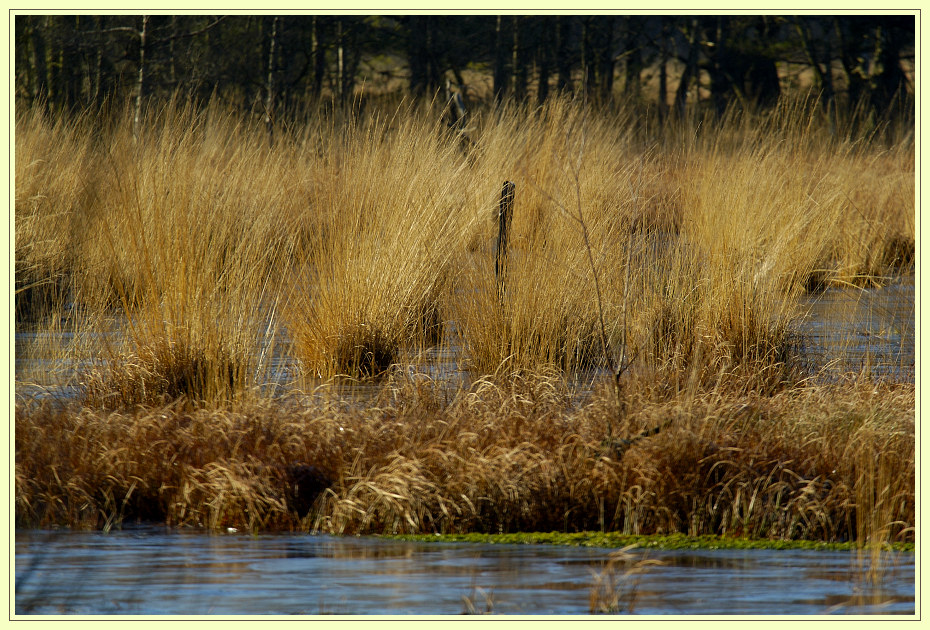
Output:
x,y
274,63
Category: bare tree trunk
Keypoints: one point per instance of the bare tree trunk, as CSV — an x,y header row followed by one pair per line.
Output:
x,y
681,95
319,58
500,62
588,66
632,86
78,79
563,55
518,63
823,73
544,52
607,61
340,63
40,86
891,82
172,66
422,51
853,64
417,55
347,58
663,71
98,92
721,79
269,83
53,62
140,79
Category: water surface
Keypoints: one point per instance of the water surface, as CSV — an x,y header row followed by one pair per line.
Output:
x,y
155,572
868,330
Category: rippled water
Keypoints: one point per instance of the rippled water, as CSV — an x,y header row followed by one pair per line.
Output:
x,y
157,572
855,330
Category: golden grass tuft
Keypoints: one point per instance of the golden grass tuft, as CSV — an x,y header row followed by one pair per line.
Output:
x,y
163,373
53,174
390,219
364,236
698,250
184,234
615,592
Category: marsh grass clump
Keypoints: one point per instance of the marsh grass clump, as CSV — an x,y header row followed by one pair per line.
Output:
x,y
164,373
729,464
876,239
687,256
530,326
187,229
615,587
364,351
202,467
366,235
52,178
543,309
390,222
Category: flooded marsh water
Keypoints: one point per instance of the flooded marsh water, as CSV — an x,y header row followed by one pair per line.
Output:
x,y
841,330
862,330
154,572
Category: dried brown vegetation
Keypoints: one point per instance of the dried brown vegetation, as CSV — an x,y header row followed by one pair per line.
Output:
x,y
833,463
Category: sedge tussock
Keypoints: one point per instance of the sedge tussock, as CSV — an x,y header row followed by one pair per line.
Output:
x,y
355,243
390,218
53,175
615,587
700,249
177,248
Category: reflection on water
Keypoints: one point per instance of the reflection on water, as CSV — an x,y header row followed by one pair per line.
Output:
x,y
158,572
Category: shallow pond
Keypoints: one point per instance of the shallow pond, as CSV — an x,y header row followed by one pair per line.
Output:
x,y
153,571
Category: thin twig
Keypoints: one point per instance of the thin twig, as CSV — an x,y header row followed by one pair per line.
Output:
x,y
575,171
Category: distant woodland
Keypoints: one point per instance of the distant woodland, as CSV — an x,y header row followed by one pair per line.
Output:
x,y
276,64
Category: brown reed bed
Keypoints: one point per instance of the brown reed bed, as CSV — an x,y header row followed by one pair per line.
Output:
x,y
691,249
390,219
183,230
827,463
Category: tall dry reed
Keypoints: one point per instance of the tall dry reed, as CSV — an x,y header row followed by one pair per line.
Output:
x,y
188,228
53,177
692,248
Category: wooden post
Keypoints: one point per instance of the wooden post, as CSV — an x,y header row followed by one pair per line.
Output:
x,y
504,215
